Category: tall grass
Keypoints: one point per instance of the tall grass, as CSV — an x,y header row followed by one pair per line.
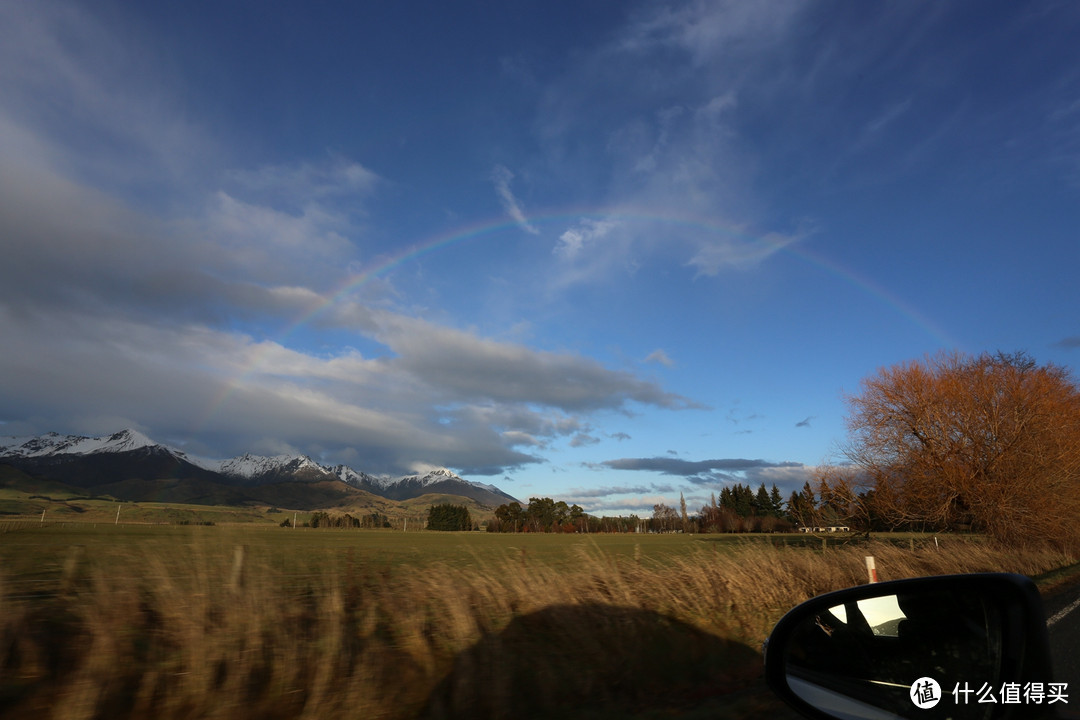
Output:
x,y
498,638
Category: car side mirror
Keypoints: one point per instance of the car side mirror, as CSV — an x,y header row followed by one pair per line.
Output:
x,y
927,648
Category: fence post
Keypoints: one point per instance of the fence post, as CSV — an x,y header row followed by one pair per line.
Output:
x,y
871,568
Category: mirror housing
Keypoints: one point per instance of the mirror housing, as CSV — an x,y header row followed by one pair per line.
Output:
x,y
864,653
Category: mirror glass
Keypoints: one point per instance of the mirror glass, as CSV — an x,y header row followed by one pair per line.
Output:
x,y
864,659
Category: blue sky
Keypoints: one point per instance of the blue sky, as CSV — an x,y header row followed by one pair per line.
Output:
x,y
602,251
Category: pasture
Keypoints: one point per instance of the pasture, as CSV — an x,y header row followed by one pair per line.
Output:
x,y
261,621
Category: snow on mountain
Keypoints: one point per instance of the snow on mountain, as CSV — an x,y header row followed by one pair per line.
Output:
x,y
361,480
261,470
55,444
382,481
246,469
443,482
435,476
253,466
486,486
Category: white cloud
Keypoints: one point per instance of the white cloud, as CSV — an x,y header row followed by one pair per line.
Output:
x,y
221,388
501,176
269,245
710,30
306,182
661,357
97,96
119,308
640,505
465,366
716,254
69,369
681,81
584,234
516,437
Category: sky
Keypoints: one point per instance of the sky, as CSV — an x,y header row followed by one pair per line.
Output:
x,y
602,251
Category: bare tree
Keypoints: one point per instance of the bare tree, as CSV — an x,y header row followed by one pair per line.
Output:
x,y
665,519
839,502
991,442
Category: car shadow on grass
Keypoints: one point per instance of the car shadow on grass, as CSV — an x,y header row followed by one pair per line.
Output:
x,y
603,661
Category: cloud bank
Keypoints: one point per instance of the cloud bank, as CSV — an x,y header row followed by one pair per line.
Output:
x,y
158,286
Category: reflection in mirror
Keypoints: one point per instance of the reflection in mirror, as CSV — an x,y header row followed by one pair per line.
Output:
x,y
859,660
882,614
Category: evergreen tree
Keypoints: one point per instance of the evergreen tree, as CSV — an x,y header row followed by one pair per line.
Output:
x,y
449,517
762,503
802,507
776,502
744,500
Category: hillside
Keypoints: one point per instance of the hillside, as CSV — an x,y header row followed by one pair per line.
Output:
x,y
129,466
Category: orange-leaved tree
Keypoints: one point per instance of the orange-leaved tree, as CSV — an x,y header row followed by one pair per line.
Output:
x,y
990,442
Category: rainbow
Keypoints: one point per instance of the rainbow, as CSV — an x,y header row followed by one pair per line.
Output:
x,y
476,231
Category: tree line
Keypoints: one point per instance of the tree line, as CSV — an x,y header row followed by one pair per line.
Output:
x,y
987,443
739,509
450,517
540,515
320,519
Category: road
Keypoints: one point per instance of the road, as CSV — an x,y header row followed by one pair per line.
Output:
x,y
1063,624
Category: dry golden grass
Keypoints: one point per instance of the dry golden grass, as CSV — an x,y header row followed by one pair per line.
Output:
x,y
499,638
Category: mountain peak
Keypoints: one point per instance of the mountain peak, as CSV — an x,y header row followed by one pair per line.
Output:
x,y
55,444
127,439
75,451
260,467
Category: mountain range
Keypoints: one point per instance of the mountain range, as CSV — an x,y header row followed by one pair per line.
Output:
x,y
128,465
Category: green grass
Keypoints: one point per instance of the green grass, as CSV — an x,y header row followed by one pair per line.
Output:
x,y
24,498
37,547
69,506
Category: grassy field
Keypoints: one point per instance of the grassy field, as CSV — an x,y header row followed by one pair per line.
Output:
x,y
25,498
30,546
28,499
260,621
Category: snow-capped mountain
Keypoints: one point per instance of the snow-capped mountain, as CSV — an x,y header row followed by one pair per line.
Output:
x,y
115,461
258,469
56,444
440,481
108,463
361,480
385,482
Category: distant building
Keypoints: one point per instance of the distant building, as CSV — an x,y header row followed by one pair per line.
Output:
x,y
825,529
